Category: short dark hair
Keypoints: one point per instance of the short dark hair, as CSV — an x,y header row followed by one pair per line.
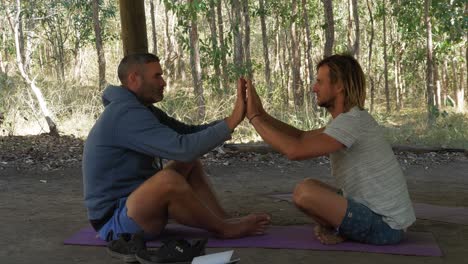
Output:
x,y
345,68
134,59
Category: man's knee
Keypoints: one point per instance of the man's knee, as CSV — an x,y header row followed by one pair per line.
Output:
x,y
167,181
304,192
184,168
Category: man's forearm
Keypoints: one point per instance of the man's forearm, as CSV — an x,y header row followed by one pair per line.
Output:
x,y
279,135
285,128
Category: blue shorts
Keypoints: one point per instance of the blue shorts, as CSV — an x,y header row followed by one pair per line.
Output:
x,y
119,223
363,225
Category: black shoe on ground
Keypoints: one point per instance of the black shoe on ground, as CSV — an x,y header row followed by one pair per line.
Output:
x,y
178,251
126,246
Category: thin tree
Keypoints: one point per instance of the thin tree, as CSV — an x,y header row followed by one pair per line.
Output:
x,y
248,59
463,78
153,28
356,45
3,53
235,26
298,90
310,67
387,91
330,27
222,44
214,44
15,26
369,60
429,63
195,62
266,56
99,45
169,46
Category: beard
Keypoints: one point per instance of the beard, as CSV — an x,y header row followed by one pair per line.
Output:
x,y
327,104
153,94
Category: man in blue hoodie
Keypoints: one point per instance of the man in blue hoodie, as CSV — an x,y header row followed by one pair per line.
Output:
x,y
126,188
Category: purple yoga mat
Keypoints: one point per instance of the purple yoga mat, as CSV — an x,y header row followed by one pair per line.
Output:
x,y
287,237
455,215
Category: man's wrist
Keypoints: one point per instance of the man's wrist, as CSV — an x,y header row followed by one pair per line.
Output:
x,y
230,123
253,117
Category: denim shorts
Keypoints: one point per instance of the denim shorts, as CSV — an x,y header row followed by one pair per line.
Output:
x,y
363,225
119,223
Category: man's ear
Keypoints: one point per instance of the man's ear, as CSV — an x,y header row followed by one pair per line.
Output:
x,y
339,87
133,79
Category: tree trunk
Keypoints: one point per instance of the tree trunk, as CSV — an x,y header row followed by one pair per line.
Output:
x,y
463,77
311,95
356,45
429,70
169,49
298,90
133,24
445,83
14,23
462,83
266,56
235,27
387,91
222,45
396,64
181,64
153,28
276,68
349,28
195,64
248,59
4,52
99,48
284,66
289,66
438,92
369,62
330,27
214,45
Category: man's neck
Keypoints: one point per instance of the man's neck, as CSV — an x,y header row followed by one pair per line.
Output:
x,y
336,109
136,95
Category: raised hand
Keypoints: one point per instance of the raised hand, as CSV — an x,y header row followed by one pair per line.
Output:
x,y
241,100
239,111
254,104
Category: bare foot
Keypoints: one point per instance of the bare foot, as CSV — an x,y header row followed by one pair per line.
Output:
x,y
327,236
250,225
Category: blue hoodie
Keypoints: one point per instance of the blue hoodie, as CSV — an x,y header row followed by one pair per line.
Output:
x,y
125,143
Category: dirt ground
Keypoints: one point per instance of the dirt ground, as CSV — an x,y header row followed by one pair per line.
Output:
x,y
41,201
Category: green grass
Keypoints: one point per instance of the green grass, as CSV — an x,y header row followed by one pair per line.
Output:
x,y
409,127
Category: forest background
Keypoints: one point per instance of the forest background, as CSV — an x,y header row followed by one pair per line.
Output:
x,y
57,56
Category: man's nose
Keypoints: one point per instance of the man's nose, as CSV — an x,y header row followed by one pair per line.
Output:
x,y
314,88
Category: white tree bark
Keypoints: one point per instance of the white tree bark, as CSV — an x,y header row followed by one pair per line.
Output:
x,y
14,23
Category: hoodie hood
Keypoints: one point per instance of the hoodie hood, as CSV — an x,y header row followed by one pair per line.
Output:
x,y
115,94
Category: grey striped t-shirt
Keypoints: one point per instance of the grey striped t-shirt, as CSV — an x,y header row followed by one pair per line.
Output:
x,y
367,170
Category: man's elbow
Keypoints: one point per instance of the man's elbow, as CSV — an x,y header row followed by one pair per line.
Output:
x,y
293,154
188,156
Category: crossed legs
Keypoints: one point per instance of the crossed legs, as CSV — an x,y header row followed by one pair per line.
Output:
x,y
321,202
182,191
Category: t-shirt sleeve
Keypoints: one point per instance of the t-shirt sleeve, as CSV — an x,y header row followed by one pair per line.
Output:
x,y
345,128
